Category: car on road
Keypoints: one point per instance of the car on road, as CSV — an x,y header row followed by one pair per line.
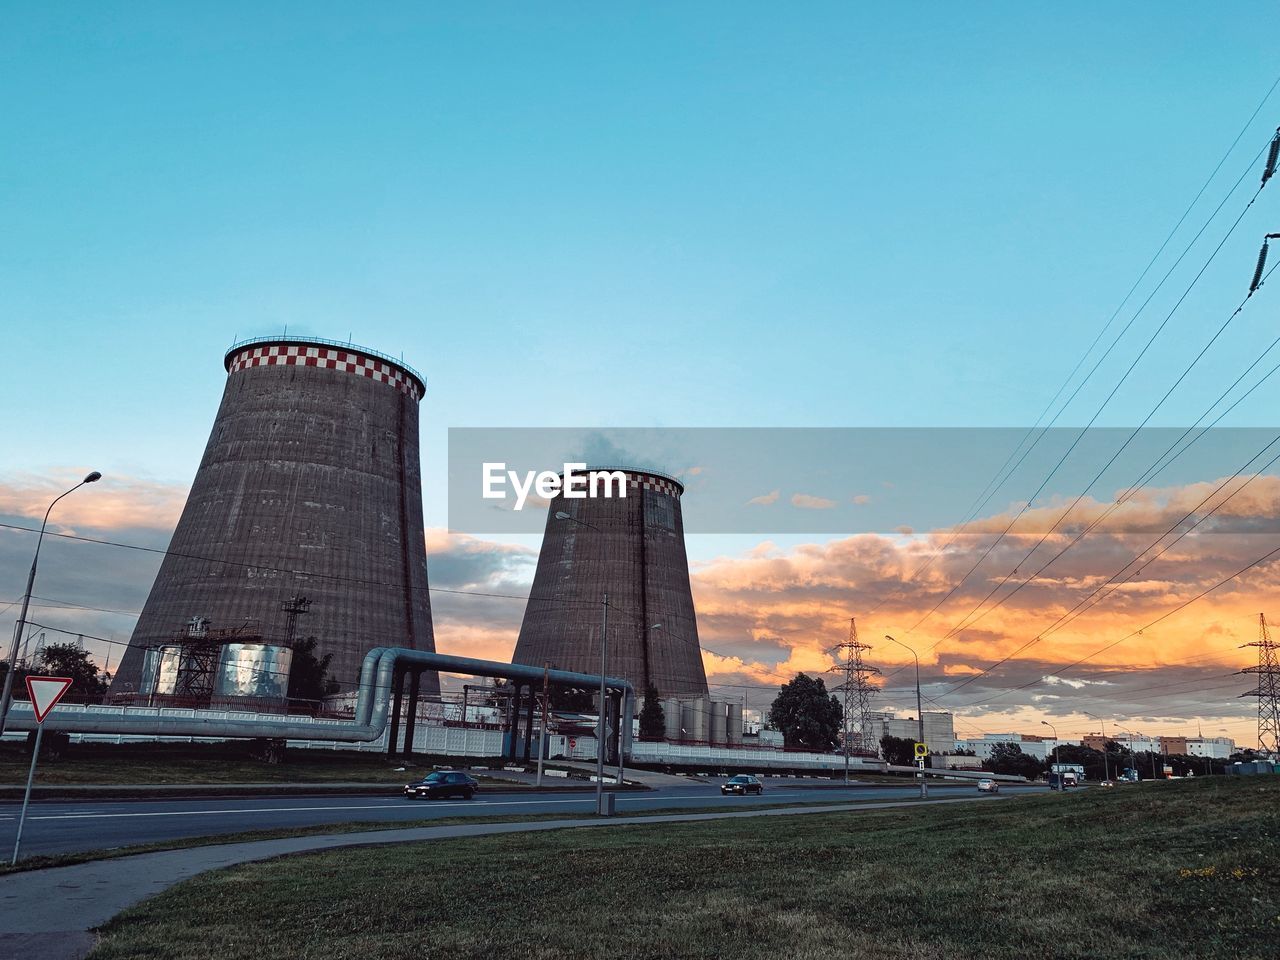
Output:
x,y
442,783
742,784
988,786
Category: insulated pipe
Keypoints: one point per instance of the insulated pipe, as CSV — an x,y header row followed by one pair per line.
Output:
x,y
371,713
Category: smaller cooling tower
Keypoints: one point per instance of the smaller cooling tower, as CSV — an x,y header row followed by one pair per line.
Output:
x,y
632,549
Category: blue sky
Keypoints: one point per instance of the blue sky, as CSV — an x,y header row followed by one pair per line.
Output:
x,y
682,215
687,215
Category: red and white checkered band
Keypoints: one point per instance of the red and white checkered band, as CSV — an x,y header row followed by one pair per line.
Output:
x,y
326,358
650,482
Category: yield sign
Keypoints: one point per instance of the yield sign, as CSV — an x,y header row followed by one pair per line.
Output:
x,y
45,692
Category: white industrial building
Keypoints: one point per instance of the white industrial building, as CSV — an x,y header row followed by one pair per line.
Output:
x,y
1039,747
1219,748
939,729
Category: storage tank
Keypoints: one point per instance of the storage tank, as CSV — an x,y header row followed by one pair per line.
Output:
x,y
671,719
632,549
257,670
695,714
310,487
735,724
718,725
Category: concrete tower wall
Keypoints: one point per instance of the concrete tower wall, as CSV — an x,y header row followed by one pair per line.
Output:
x,y
631,548
309,486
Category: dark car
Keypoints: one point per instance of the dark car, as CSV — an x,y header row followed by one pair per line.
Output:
x,y
443,783
742,784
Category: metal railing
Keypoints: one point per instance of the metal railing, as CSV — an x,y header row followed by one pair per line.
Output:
x,y
322,342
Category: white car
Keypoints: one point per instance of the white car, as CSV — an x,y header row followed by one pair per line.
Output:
x,y
988,786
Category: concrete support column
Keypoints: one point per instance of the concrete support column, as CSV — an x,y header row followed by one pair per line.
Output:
x,y
415,682
516,704
528,739
397,690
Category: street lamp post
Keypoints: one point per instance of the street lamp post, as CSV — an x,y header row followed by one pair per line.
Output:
x,y
1054,762
1106,765
20,627
1133,752
924,782
604,703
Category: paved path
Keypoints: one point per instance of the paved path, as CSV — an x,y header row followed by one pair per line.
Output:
x,y
48,914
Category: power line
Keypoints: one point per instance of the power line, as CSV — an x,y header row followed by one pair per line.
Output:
x,y
989,491
1128,636
1081,605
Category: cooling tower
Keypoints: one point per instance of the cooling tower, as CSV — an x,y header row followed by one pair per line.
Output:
x,y
310,488
631,548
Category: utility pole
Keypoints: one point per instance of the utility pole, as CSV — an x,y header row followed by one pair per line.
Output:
x,y
604,704
1054,762
20,627
1106,764
1268,689
924,781
546,711
857,690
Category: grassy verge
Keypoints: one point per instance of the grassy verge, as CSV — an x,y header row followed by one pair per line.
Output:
x,y
204,763
361,826
1190,869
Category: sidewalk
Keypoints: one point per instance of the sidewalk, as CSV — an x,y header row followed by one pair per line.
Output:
x,y
48,914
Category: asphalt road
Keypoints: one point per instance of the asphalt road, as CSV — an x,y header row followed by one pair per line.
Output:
x,y
62,826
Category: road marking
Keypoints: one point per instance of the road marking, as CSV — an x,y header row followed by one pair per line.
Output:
x,y
368,806
412,804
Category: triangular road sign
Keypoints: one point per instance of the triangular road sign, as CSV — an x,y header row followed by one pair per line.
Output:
x,y
45,692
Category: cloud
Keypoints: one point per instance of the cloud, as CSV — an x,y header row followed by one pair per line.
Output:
x,y
806,502
766,499
113,503
770,609
862,499
460,560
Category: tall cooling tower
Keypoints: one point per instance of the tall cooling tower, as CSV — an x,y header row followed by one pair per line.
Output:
x,y
631,548
310,486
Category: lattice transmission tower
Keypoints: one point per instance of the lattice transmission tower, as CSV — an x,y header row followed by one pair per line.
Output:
x,y
1268,689
858,690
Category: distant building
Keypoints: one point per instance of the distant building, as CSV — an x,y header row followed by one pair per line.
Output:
x,y
1033,745
1219,748
939,729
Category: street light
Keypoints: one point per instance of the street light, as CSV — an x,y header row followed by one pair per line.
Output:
x,y
1106,765
604,703
1134,753
1046,723
20,627
924,786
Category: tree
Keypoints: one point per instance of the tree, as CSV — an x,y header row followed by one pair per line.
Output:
x,y
88,685
1008,758
574,699
899,751
653,720
806,714
309,676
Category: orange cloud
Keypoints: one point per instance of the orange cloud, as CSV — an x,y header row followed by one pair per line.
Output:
x,y
113,503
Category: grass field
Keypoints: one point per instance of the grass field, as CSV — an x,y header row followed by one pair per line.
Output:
x,y
362,826
1187,869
